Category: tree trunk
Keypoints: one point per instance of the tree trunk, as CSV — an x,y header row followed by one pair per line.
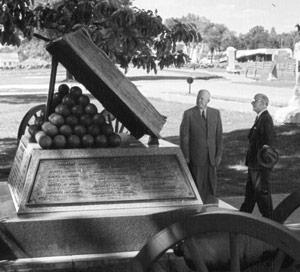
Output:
x,y
212,55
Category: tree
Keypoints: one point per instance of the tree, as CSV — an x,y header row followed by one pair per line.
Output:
x,y
289,39
274,40
229,39
34,48
257,37
127,34
213,34
199,22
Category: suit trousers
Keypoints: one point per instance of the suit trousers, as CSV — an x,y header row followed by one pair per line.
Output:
x,y
258,191
205,177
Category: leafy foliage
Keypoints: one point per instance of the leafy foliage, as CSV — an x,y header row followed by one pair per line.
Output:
x,y
34,49
256,37
15,14
127,34
199,22
219,37
213,35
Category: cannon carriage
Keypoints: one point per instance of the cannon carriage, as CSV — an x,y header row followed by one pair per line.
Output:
x,y
97,208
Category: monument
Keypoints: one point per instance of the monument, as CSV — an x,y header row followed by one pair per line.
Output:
x,y
291,113
96,205
231,51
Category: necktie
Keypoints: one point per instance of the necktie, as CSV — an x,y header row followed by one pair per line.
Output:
x,y
203,115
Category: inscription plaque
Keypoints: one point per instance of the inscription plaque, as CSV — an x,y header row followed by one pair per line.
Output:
x,y
17,175
101,179
109,180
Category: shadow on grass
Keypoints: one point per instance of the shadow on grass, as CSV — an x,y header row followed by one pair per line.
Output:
x,y
8,148
232,173
23,99
27,98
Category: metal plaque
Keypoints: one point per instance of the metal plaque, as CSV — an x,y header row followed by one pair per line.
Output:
x,y
109,180
104,179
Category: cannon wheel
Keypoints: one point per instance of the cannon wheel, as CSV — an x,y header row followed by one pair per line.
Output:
x,y
38,110
29,117
286,207
114,122
233,223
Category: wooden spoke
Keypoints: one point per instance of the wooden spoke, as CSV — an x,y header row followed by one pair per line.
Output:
x,y
122,128
192,247
263,233
29,116
280,256
118,127
286,207
234,253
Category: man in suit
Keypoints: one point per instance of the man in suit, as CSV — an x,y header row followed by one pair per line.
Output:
x,y
202,144
261,135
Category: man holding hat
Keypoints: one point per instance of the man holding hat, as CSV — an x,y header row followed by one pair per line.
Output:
x,y
260,159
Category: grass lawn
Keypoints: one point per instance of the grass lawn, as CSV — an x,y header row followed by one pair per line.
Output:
x,y
232,172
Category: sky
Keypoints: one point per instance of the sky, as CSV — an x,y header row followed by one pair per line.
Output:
x,y
238,15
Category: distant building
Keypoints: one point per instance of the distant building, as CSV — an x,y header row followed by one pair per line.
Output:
x,y
263,54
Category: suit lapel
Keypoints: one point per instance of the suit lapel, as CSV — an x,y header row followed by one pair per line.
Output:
x,y
208,115
209,118
257,121
198,117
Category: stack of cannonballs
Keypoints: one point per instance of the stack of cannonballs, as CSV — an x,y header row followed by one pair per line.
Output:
x,y
73,122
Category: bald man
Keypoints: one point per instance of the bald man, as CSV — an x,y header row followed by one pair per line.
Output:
x,y
202,144
261,134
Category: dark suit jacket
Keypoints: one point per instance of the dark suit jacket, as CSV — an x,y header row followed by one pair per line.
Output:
x,y
193,139
262,133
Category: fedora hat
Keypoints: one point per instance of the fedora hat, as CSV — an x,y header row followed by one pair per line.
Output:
x,y
267,157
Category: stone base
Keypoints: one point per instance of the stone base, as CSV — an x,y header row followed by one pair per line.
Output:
x,y
87,234
291,113
82,233
288,115
139,177
90,263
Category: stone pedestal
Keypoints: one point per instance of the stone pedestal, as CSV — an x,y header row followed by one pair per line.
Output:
x,y
89,241
231,59
96,201
291,113
136,176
